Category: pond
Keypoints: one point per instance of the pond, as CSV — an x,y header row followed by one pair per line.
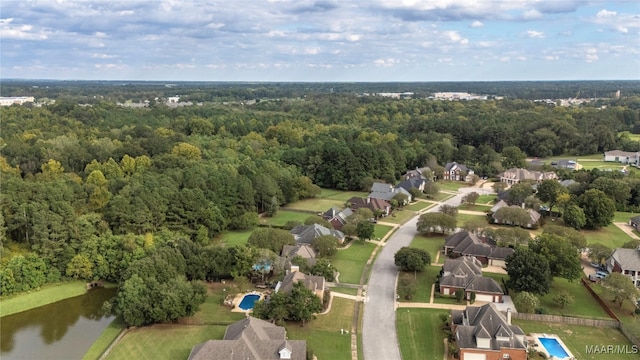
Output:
x,y
62,330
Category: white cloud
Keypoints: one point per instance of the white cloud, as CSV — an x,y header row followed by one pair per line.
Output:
x,y
477,24
606,14
534,34
385,62
532,14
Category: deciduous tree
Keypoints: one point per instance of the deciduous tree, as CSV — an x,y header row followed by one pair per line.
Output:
x,y
528,271
621,287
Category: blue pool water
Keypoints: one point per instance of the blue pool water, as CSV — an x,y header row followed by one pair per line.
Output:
x,y
553,347
248,301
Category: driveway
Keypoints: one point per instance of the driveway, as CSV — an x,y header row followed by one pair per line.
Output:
x,y
379,337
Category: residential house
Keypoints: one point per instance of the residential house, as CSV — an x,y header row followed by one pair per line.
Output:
x,y
387,192
516,175
484,249
634,222
484,333
624,157
294,276
305,251
412,183
304,234
418,172
251,339
378,206
457,172
627,262
534,216
466,273
337,218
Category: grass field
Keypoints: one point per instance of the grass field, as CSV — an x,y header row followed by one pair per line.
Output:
x,y
284,216
48,294
420,333
419,205
632,137
476,207
213,310
379,231
583,305
323,333
451,185
399,216
164,341
328,198
623,216
632,323
486,199
462,219
344,290
350,262
610,236
106,338
577,337
235,238
425,280
341,195
431,244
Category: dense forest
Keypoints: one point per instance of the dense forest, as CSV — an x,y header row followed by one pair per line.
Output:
x,y
91,189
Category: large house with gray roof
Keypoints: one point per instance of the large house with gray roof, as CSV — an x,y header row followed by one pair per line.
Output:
x,y
516,175
337,218
465,273
304,251
484,333
627,262
387,192
251,339
312,282
484,249
304,234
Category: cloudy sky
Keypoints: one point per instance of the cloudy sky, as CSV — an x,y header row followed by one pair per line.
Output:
x,y
323,40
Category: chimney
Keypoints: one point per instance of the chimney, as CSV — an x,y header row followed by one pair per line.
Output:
x,y
294,268
509,316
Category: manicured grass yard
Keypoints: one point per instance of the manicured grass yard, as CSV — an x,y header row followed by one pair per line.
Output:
x,y
462,219
106,338
476,207
316,205
425,280
420,333
419,205
235,238
48,294
632,323
399,216
283,216
623,216
164,341
440,197
431,244
341,195
578,337
486,199
344,290
451,185
350,262
380,231
323,333
213,310
610,236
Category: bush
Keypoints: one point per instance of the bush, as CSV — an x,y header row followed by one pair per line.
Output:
x,y
459,295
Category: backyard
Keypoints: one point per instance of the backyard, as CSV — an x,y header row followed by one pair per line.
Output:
x,y
632,323
327,199
351,262
234,237
420,333
577,338
610,236
284,216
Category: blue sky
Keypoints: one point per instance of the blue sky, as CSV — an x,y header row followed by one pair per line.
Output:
x,y
328,40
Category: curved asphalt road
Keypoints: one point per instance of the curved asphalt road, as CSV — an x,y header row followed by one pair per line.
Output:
x,y
379,337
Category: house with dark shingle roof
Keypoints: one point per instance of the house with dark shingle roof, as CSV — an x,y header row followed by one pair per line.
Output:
x,y
484,249
304,234
387,192
626,262
483,332
375,205
417,172
311,282
305,251
412,183
251,339
457,172
466,273
337,218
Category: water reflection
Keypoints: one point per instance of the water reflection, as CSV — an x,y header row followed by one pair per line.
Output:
x,y
63,330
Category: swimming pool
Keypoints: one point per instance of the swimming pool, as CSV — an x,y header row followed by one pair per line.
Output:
x,y
248,301
554,348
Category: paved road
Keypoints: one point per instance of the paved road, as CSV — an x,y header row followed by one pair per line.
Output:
x,y
379,337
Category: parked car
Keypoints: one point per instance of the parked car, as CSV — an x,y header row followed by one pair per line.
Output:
x,y
601,274
595,265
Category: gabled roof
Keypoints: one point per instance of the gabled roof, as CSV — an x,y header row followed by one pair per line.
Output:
x,y
336,217
500,204
485,322
469,244
311,282
453,165
411,183
252,339
416,173
524,174
302,250
304,234
635,219
381,187
628,259
620,153
483,284
534,216
369,203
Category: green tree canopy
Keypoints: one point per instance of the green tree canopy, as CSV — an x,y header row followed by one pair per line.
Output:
x,y
528,271
412,259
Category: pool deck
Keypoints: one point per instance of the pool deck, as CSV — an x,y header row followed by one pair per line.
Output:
x,y
238,298
540,347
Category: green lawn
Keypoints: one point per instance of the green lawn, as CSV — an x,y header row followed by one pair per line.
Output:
x,y
624,314
577,337
284,216
380,231
341,195
583,305
350,262
624,217
213,310
486,199
345,290
420,333
107,336
316,205
425,280
235,237
418,205
323,333
476,207
441,197
48,294
431,244
450,299
399,216
462,219
164,341
610,236
451,185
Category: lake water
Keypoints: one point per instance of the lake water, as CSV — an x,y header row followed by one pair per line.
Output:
x,y
64,330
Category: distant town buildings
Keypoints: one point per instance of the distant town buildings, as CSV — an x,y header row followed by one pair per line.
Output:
x,y
18,100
